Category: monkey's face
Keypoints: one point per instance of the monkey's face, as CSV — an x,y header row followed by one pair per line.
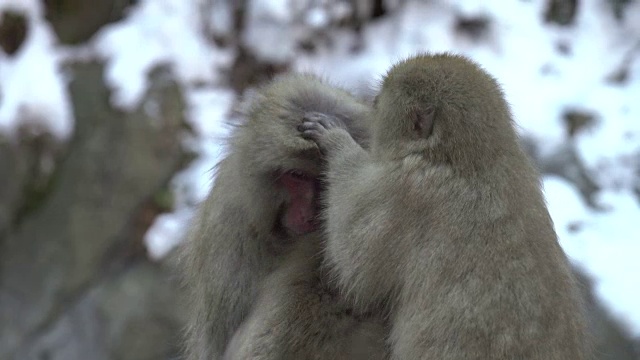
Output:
x,y
299,213
291,165
272,149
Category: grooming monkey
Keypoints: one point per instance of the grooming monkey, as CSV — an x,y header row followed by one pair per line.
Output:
x,y
444,223
260,217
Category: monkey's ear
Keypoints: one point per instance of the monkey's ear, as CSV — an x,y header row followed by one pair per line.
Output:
x,y
423,120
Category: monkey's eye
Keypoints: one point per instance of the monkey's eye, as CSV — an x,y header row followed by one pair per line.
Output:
x,y
297,174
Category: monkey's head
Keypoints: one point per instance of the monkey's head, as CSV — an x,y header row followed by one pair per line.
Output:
x,y
271,148
444,107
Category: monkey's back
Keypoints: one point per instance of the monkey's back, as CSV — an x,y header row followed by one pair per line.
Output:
x,y
473,266
496,284
445,223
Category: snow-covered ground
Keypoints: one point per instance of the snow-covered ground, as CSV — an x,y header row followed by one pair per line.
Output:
x,y
32,88
545,70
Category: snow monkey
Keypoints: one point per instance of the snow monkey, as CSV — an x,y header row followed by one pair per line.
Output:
x,y
259,222
443,221
297,317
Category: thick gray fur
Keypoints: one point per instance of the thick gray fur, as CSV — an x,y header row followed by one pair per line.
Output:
x,y
234,243
298,316
448,229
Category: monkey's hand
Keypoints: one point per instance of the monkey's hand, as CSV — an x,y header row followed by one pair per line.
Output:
x,y
327,131
342,153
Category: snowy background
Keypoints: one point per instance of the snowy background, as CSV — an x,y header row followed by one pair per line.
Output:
x,y
573,81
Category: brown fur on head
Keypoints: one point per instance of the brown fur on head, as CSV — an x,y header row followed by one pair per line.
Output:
x,y
269,151
441,106
286,99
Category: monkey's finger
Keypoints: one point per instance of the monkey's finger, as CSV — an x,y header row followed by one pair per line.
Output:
x,y
311,134
309,125
313,116
327,122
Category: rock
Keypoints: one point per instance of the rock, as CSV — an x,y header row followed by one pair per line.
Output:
x,y
131,315
82,231
76,21
12,172
576,121
474,27
14,28
565,162
561,12
29,165
248,70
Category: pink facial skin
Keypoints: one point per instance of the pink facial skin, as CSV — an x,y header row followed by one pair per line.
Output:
x,y
300,216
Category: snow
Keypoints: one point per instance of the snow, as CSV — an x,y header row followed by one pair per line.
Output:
x,y
158,32
604,244
32,86
544,69
166,232
208,108
317,17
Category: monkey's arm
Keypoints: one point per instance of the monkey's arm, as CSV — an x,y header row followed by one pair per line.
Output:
x,y
223,264
360,246
217,304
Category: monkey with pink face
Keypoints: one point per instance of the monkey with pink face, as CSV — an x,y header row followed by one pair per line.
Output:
x,y
251,262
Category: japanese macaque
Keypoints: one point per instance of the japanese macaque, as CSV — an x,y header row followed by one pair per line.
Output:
x,y
297,316
245,244
443,221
